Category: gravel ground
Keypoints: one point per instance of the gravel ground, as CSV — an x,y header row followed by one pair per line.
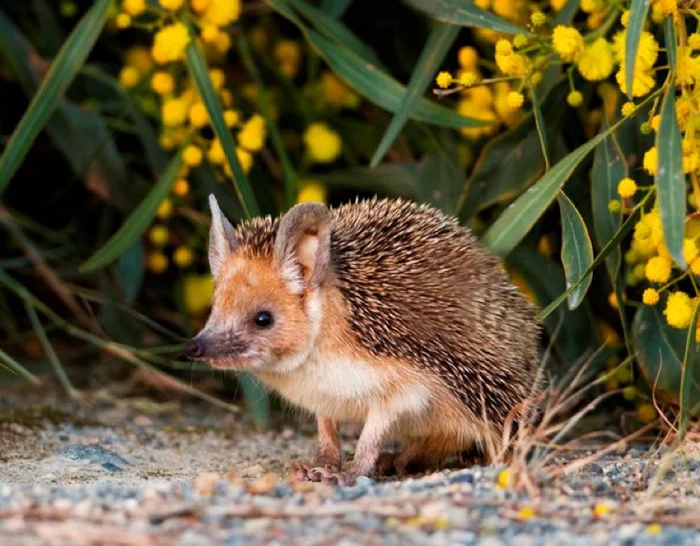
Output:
x,y
193,475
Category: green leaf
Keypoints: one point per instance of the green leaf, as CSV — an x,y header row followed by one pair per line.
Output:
x,y
335,8
256,399
638,13
689,363
541,128
371,82
439,42
517,220
465,14
440,181
137,222
512,161
567,13
609,168
59,77
199,71
670,179
6,361
334,30
605,251
131,271
661,352
395,179
670,41
576,249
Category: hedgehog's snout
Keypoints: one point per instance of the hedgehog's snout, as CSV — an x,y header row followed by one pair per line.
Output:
x,y
215,346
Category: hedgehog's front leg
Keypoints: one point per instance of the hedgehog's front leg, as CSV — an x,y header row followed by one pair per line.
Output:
x,y
329,452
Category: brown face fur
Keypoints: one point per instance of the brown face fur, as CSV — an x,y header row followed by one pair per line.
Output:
x,y
246,286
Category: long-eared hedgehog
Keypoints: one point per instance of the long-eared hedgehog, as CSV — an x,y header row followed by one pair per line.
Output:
x,y
380,312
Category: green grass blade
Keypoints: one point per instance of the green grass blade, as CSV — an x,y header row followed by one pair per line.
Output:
x,y
670,41
567,13
465,14
638,13
335,8
256,400
608,169
689,361
670,179
291,181
11,364
199,71
371,82
334,30
609,247
137,222
576,249
436,47
541,129
59,77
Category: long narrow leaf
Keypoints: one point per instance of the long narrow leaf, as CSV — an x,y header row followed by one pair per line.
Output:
x,y
576,249
335,8
609,247
465,14
371,82
11,364
199,71
137,222
59,77
670,179
567,13
541,129
439,42
638,13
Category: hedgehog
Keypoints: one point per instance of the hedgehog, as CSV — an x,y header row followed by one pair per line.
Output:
x,y
379,312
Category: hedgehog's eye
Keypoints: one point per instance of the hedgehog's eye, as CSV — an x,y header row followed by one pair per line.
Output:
x,y
263,319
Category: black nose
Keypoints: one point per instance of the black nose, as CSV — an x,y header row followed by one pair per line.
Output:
x,y
195,349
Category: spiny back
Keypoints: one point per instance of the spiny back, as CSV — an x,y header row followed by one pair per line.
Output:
x,y
421,289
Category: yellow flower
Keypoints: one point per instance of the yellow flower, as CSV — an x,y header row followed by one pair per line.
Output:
x,y
231,118
252,135
646,412
538,19
134,7
596,62
512,64
221,13
197,293
519,40
245,158
654,528
557,4
695,267
574,98
612,301
217,77
157,263
679,310
192,155
200,5
467,78
123,20
170,43
334,91
625,18
322,143
473,109
650,296
172,5
288,55
687,69
504,47
223,42
162,83
647,51
515,99
601,510
628,109
568,43
669,7
690,250
630,393
181,187
159,236
129,76
614,206
642,83
173,112
589,6
198,115
312,192
209,34
183,257
505,111
468,57
651,161
658,269
216,152
626,187
694,41
504,478
443,80
526,514
165,209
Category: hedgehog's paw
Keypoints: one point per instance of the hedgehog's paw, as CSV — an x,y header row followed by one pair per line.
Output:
x,y
328,475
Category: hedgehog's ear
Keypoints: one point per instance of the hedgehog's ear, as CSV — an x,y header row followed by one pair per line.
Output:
x,y
223,240
303,245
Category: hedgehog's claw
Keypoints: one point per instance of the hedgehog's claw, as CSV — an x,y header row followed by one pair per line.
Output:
x,y
321,474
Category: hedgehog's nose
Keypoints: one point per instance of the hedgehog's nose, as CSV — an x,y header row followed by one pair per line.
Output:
x,y
195,349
